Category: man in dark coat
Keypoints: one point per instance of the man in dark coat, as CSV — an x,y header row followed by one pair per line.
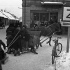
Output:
x,y
10,35
2,54
26,35
17,41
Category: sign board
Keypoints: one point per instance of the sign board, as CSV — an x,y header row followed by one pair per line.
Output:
x,y
66,16
66,22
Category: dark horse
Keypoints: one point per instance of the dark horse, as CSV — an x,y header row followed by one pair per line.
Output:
x,y
49,30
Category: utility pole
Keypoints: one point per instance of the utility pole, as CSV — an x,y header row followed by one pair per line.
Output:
x,y
23,12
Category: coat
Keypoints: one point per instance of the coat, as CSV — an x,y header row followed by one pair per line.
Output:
x,y
2,54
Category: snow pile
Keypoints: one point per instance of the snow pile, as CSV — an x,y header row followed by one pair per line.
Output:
x,y
63,62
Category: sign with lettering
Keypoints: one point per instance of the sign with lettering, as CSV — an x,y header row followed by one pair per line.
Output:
x,y
66,14
66,22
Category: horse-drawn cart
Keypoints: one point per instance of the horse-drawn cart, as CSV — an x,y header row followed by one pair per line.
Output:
x,y
34,38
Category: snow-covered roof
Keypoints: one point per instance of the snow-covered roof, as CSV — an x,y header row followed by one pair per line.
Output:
x,y
52,3
1,15
9,16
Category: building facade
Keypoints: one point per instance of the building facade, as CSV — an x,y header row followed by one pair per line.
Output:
x,y
42,10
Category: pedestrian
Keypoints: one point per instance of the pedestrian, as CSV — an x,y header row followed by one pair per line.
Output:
x,y
2,53
25,36
28,40
10,35
17,40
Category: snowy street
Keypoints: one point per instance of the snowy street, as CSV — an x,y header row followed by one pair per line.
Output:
x,y
31,61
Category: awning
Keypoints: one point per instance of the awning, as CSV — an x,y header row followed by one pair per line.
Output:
x,y
1,15
52,3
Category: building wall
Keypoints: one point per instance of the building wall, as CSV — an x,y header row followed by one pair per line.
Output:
x,y
60,14
35,5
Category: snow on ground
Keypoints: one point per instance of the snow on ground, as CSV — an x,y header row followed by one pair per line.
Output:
x,y
63,62
30,61
27,61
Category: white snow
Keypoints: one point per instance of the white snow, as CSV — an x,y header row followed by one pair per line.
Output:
x,y
63,62
42,61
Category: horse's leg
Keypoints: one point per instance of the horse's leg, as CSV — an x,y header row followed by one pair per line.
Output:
x,y
40,44
49,40
37,46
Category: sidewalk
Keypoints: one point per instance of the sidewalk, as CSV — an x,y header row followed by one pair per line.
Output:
x,y
62,62
36,62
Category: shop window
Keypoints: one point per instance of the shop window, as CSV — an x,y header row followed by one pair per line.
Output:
x,y
54,16
36,16
44,17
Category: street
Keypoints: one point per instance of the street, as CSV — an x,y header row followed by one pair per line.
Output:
x,y
31,61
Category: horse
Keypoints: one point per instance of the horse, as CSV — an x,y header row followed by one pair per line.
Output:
x,y
50,30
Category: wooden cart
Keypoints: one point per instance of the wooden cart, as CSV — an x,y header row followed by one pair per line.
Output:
x,y
35,38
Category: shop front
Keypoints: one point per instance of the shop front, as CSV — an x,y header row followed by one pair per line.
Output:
x,y
47,11
44,16
42,11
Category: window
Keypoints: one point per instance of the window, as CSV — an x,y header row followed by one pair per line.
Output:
x,y
44,17
54,16
36,16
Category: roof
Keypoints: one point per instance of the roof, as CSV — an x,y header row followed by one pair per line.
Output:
x,y
52,3
9,16
1,15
